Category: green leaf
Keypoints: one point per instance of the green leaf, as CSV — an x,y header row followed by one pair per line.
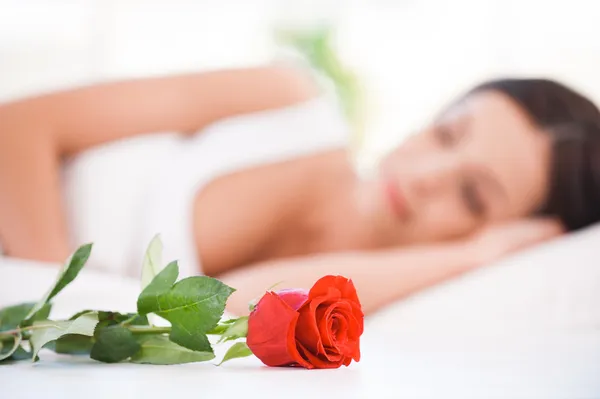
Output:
x,y
48,330
12,316
159,285
193,305
133,319
81,313
41,314
138,320
152,264
158,349
116,317
7,351
69,272
219,329
237,329
113,344
71,344
237,350
20,354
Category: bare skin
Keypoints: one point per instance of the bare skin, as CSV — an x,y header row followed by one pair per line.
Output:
x,y
305,217
36,133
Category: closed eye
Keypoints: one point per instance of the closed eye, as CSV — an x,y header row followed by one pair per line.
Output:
x,y
444,135
472,198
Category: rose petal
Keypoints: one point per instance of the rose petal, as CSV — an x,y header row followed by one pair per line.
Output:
x,y
318,361
323,317
344,342
307,330
359,316
354,330
341,329
343,284
271,332
327,335
347,336
355,326
293,297
332,355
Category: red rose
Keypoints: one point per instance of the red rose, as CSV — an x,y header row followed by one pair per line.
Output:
x,y
318,329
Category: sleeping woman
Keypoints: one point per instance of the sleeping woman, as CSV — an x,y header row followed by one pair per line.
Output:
x,y
510,164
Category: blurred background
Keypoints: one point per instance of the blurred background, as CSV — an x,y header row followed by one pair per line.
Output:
x,y
393,63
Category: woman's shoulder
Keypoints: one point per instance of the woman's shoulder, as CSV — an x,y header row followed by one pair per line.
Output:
x,y
229,146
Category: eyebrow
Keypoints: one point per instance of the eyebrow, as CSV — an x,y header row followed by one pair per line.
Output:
x,y
460,126
449,109
484,175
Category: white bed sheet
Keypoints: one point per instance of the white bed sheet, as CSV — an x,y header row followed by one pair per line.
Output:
x,y
398,360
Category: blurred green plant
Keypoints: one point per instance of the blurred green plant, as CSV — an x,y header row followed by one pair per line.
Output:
x,y
317,47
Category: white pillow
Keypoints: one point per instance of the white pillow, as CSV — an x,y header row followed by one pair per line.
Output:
x,y
551,287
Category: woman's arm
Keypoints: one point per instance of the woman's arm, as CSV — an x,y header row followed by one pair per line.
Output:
x,y
78,119
35,133
380,277
386,276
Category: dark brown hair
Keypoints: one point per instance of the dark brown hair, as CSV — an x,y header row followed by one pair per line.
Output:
x,y
573,123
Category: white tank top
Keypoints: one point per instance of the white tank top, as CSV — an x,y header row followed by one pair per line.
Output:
x,y
122,194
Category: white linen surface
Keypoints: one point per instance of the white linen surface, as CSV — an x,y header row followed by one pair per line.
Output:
x,y
416,349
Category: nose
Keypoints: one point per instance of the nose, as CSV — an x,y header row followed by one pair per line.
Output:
x,y
433,175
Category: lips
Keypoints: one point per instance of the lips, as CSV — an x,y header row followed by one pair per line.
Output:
x,y
395,199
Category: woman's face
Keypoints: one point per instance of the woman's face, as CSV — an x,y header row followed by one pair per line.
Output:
x,y
480,162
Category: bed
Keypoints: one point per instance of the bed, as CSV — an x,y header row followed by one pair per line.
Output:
x,y
525,327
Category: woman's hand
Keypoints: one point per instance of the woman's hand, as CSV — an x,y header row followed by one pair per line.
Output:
x,y
499,240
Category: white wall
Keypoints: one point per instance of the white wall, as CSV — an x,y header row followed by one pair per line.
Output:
x,y
414,55
418,55
48,44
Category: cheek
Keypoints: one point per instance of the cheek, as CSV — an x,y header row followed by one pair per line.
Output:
x,y
441,218
526,185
